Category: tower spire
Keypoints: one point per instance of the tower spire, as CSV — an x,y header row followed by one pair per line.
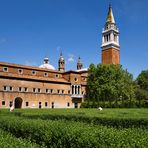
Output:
x,y
110,40
61,63
79,64
110,16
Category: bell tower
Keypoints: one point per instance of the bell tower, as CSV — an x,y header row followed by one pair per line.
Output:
x,y
110,41
79,64
61,63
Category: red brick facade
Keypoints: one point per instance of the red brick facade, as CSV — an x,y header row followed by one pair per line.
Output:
x,y
110,56
33,87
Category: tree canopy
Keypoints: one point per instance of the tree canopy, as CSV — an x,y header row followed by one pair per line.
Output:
x,y
142,80
109,83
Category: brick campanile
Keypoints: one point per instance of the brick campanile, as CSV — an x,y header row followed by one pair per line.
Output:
x,y
110,41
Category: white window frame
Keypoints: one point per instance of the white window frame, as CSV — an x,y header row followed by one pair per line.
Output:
x,y
5,69
20,71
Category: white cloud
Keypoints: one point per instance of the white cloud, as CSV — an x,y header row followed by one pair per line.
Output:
x,y
30,63
70,58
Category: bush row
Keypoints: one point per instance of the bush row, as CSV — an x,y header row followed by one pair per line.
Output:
x,y
73,134
116,122
116,104
7,140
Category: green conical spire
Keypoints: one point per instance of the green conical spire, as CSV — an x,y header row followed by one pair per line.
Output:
x,y
110,16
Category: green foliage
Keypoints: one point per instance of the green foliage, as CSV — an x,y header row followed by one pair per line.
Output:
x,y
142,80
9,141
78,127
109,83
142,89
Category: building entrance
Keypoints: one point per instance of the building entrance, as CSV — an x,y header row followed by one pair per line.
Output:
x,y
18,103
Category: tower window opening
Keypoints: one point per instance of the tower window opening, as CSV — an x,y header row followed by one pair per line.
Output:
x,y
115,37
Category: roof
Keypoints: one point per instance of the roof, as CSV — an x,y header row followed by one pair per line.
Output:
x,y
29,67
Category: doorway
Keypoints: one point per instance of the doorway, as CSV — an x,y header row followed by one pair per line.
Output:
x,y
76,105
18,103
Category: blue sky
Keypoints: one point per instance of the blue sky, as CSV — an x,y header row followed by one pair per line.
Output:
x,y
33,29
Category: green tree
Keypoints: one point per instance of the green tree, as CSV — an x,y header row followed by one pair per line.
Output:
x,y
142,89
142,80
109,83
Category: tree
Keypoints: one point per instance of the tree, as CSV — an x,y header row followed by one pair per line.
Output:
x,y
109,83
142,80
142,88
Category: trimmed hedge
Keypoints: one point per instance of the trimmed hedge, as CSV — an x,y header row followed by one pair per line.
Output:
x,y
116,104
124,119
73,134
7,140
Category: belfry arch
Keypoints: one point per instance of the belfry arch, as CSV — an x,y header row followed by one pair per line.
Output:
x,y
18,102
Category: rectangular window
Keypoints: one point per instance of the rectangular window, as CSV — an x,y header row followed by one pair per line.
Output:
x,y
40,104
5,69
5,88
3,102
39,90
10,103
46,104
68,104
58,91
34,90
62,91
20,89
68,91
51,91
10,88
27,103
47,90
52,105
25,89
